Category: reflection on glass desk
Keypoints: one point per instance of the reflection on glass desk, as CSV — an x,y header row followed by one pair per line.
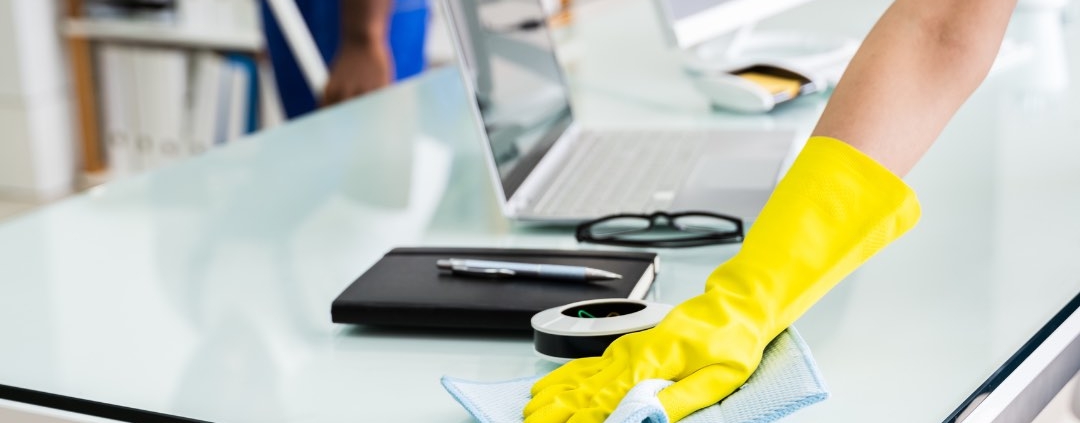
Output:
x,y
202,290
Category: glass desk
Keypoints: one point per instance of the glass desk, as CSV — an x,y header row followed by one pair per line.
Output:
x,y
203,290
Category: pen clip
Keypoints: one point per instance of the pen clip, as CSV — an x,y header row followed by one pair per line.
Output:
x,y
484,272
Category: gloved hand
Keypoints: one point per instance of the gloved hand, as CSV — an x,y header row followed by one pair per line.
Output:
x,y
835,208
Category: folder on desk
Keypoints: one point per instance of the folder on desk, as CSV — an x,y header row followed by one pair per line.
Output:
x,y
405,288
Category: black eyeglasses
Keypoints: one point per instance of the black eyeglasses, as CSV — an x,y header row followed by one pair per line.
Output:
x,y
675,230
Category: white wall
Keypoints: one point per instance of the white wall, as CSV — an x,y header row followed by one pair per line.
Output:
x,y
37,145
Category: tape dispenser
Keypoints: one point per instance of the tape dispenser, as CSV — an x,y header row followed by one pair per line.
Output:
x,y
586,328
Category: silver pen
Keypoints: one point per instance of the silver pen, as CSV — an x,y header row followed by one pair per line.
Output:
x,y
525,270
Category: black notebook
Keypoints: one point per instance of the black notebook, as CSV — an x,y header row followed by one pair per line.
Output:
x,y
405,288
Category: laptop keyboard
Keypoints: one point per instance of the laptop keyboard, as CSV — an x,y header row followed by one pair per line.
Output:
x,y
622,172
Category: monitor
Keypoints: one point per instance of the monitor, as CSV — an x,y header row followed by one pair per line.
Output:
x,y
693,22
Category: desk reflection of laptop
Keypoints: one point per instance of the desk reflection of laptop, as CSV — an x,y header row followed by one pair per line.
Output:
x,y
548,168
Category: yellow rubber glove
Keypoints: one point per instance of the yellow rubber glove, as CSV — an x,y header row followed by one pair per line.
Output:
x,y
835,208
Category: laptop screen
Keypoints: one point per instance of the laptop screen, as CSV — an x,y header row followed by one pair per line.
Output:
x,y
516,81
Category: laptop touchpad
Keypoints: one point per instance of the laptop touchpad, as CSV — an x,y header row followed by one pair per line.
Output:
x,y
727,185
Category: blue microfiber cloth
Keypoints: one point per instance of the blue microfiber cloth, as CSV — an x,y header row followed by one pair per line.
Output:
x,y
786,381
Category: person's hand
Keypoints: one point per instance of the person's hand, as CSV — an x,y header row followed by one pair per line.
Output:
x,y
710,348
835,209
357,70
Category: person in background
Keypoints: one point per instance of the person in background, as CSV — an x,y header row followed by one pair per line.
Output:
x,y
367,44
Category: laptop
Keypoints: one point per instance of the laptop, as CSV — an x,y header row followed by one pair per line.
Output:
x,y
547,167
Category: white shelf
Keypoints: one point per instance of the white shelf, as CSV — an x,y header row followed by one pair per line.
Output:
x,y
159,33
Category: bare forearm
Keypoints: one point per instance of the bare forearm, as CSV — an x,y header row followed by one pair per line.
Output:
x,y
364,21
918,65
363,61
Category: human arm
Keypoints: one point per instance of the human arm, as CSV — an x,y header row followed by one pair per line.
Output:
x,y
363,62
841,202
916,67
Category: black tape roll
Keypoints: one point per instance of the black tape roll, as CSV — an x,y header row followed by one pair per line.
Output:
x,y
560,335
571,347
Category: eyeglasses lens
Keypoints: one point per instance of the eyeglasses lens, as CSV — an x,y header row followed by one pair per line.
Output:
x,y
702,224
618,227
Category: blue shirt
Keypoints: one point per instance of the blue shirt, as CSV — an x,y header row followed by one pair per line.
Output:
x,y
408,28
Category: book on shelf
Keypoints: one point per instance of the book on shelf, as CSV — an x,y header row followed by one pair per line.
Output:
x,y
202,113
118,127
161,79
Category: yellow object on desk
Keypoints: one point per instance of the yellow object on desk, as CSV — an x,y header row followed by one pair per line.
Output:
x,y
780,87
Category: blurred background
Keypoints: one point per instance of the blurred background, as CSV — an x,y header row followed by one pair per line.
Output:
x,y
93,90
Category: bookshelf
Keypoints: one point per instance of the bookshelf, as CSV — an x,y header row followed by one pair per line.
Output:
x,y
150,92
163,35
